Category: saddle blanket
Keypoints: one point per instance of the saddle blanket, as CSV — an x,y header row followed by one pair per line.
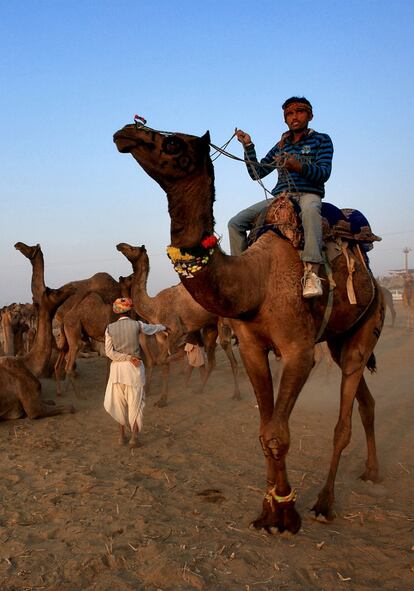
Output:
x,y
282,217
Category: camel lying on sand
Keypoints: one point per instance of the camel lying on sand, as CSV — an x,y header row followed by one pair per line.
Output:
x,y
174,307
261,292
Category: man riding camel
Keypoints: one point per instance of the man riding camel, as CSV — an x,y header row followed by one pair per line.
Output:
x,y
303,158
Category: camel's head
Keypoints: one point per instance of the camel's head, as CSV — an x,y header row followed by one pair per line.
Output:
x,y
165,157
132,253
137,256
125,284
28,251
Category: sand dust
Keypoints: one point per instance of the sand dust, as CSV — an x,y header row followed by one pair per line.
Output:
x,y
81,513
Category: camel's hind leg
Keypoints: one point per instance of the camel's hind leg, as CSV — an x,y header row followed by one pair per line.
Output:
x,y
353,357
225,336
366,407
59,367
210,341
163,399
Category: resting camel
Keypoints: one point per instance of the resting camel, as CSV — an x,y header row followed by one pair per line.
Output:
x,y
389,302
261,292
174,307
20,388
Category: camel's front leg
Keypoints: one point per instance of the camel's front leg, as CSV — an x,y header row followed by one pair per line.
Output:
x,y
279,503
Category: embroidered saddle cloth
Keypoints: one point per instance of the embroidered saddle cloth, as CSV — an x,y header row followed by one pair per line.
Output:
x,y
282,217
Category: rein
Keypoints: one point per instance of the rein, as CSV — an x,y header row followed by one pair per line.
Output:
x,y
141,123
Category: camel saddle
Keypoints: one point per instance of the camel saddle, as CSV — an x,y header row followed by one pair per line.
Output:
x,y
338,225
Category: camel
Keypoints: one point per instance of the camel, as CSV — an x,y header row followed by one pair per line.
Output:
x,y
90,317
261,292
18,328
174,307
88,311
20,388
389,303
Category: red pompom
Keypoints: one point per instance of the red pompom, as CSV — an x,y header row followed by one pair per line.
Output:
x,y
209,242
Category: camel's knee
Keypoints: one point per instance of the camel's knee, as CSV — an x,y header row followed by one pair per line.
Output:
x,y
342,434
352,362
275,440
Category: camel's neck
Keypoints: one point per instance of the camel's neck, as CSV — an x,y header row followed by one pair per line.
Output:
x,y
38,357
227,286
38,274
190,205
143,303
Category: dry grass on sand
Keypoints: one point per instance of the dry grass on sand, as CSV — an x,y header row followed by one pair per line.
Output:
x,y
81,513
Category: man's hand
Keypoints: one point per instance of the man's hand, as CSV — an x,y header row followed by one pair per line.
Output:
x,y
293,165
243,137
288,162
135,361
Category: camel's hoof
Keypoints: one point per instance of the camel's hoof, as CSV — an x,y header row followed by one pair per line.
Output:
x,y
50,402
323,506
371,475
161,402
236,396
283,518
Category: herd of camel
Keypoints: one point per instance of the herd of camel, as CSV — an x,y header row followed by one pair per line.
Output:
x,y
259,295
46,336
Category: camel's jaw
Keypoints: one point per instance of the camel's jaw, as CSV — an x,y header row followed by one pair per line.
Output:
x,y
124,142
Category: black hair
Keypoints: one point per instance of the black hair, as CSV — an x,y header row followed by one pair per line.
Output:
x,y
296,99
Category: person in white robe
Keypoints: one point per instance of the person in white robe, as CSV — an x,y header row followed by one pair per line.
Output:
x,y
125,393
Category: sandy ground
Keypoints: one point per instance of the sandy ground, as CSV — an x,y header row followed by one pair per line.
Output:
x,y
79,512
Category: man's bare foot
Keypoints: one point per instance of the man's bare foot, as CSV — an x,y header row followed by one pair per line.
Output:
x,y
122,440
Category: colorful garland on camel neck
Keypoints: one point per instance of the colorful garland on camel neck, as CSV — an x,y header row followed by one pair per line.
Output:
x,y
188,261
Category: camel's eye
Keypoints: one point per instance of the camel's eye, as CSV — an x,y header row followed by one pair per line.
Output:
x,y
172,145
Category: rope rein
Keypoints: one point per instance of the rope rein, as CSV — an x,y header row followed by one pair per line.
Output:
x,y
141,122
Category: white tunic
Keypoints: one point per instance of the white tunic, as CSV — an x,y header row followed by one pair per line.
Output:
x,y
124,395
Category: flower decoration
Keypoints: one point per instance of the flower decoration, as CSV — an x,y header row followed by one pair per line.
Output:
x,y
188,261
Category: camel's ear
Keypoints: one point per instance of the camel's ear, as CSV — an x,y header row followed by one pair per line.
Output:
x,y
143,247
206,138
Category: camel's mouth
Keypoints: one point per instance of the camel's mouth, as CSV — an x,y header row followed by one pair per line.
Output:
x,y
124,143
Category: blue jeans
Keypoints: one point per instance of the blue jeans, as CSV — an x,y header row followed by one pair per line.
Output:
x,y
310,214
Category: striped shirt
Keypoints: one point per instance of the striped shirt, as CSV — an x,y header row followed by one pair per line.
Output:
x,y
314,150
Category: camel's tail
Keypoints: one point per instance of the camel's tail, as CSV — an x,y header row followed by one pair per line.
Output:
x,y
372,363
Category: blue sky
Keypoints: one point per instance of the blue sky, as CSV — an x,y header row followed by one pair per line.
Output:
x,y
74,72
